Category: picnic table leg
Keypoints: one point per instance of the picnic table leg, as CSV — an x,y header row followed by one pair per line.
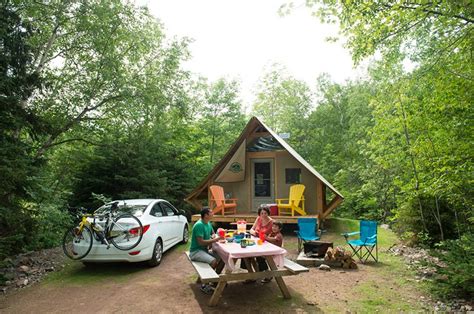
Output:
x,y
279,280
248,264
217,293
255,264
220,266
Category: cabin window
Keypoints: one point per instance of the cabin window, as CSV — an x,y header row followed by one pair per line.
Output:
x,y
293,175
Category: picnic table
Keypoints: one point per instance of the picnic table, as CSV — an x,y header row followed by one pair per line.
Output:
x,y
226,269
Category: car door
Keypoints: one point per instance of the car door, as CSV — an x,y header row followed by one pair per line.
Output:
x,y
172,221
160,225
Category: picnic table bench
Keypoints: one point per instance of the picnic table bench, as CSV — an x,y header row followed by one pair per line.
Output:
x,y
207,274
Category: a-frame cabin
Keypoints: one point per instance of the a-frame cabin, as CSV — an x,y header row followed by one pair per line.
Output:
x,y
259,168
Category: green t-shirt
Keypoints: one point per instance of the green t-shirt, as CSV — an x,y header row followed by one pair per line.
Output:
x,y
203,231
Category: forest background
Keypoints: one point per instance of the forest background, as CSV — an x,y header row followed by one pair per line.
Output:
x,y
95,105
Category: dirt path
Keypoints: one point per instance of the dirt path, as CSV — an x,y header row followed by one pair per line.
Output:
x,y
171,287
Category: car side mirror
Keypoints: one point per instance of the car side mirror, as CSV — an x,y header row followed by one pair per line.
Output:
x,y
181,212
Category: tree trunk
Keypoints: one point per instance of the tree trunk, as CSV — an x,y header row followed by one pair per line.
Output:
x,y
413,165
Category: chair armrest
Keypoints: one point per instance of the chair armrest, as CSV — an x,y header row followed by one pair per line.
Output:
x,y
279,200
349,234
370,238
231,199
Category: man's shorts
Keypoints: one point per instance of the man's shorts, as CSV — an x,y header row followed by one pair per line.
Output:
x,y
203,256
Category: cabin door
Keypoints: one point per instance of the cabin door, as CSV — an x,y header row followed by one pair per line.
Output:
x,y
263,185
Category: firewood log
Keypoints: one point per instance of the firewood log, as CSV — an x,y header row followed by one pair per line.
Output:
x,y
346,264
329,254
353,265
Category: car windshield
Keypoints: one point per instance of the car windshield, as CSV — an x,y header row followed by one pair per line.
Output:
x,y
136,210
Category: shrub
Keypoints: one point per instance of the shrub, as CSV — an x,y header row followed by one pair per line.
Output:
x,y
456,279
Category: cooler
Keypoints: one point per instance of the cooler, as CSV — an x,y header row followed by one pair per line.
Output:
x,y
273,209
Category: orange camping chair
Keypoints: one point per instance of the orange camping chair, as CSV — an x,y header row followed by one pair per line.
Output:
x,y
295,202
219,204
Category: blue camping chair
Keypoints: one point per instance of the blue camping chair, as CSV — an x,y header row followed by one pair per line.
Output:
x,y
364,246
307,231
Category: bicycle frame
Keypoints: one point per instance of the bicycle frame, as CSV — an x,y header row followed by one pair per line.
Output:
x,y
103,235
124,231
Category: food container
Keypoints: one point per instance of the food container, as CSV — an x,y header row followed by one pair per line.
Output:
x,y
238,237
241,226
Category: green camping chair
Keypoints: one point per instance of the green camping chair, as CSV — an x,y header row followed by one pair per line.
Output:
x,y
367,242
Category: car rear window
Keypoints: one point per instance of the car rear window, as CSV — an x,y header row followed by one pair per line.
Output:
x,y
136,210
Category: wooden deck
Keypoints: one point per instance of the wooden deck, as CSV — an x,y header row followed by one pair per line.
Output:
x,y
250,218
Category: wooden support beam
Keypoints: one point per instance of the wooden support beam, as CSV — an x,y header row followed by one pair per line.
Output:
x,y
332,205
320,197
194,202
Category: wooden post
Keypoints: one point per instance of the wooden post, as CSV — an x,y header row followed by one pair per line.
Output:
x,y
333,204
320,198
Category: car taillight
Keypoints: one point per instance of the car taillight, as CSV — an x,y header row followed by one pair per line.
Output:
x,y
134,253
135,231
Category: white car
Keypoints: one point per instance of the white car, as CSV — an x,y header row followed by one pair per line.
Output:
x,y
164,226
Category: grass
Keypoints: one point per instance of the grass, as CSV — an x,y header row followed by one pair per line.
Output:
x,y
390,287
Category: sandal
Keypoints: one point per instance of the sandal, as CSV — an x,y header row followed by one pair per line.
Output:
x,y
266,280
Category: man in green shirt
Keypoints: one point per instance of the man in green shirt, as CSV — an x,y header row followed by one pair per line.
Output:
x,y
202,237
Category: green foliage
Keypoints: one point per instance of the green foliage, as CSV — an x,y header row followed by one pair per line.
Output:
x,y
283,102
137,167
407,157
456,278
20,127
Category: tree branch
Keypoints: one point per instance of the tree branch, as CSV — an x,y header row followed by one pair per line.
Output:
x,y
429,11
71,123
74,140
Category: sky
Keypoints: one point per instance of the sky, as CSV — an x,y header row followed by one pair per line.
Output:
x,y
240,39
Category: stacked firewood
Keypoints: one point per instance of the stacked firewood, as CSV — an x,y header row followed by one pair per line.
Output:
x,y
340,255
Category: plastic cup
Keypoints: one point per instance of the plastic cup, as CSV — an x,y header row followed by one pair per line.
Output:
x,y
221,233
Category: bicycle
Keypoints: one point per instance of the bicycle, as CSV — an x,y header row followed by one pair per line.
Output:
x,y
124,231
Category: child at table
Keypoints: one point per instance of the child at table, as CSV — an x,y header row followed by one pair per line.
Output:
x,y
275,237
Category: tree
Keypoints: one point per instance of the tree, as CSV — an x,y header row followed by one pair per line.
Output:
x,y
430,32
218,120
99,58
19,127
284,103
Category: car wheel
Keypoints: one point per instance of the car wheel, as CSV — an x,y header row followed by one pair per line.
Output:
x,y
185,235
157,254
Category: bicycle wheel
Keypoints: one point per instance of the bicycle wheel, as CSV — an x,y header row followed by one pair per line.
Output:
x,y
126,232
77,244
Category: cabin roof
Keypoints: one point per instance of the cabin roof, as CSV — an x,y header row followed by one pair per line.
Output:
x,y
257,125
